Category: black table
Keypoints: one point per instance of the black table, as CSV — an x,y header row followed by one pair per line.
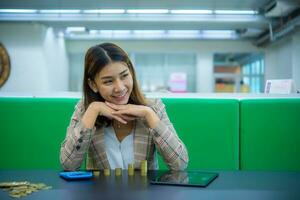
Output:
x,y
229,185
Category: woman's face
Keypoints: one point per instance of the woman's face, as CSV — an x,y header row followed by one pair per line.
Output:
x,y
114,83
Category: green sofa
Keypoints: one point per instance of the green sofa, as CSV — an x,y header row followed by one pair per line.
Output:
x,y
220,134
210,130
33,128
270,134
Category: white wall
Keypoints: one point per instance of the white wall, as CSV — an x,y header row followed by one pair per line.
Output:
x,y
38,59
282,60
278,60
205,70
203,49
56,61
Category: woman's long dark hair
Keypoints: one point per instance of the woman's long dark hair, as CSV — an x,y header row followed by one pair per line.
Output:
x,y
96,58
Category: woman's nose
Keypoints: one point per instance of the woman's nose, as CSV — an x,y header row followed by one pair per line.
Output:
x,y
118,85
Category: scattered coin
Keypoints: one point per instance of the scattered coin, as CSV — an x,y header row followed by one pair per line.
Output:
x,y
12,184
22,189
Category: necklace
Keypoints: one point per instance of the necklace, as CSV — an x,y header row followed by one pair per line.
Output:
x,y
122,130
118,124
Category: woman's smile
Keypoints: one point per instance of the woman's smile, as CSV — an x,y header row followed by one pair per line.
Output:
x,y
120,98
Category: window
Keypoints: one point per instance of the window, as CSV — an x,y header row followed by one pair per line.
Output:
x,y
154,70
253,73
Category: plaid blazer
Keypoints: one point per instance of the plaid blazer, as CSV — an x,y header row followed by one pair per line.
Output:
x,y
80,141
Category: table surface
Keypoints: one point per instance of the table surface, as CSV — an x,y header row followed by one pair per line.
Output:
x,y
228,185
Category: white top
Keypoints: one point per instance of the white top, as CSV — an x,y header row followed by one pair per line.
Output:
x,y
119,154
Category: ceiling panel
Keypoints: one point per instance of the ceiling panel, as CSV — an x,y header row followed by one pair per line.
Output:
x,y
168,4
252,27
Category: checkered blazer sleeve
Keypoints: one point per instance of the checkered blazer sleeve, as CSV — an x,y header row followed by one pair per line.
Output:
x,y
78,138
167,142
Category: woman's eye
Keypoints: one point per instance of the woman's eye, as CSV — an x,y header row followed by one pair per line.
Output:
x,y
107,82
124,75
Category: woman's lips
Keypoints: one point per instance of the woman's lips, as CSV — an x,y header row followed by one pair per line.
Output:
x,y
120,97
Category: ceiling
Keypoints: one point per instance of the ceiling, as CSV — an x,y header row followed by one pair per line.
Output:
x,y
274,16
153,4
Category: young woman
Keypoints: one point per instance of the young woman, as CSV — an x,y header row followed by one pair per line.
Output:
x,y
114,124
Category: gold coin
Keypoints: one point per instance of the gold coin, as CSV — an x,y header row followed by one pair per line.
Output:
x,y
13,184
130,166
28,191
15,192
144,168
33,189
33,185
21,189
106,172
23,194
130,169
40,185
96,173
144,162
47,188
5,184
118,171
15,195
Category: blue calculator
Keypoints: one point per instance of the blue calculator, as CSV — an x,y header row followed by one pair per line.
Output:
x,y
77,175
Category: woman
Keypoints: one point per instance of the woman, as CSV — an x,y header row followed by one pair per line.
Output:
x,y
114,123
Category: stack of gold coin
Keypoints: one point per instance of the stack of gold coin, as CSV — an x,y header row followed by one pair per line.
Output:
x,y
130,169
96,173
21,189
106,172
118,171
144,168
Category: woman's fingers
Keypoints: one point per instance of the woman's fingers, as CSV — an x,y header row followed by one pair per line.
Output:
x,y
109,105
128,117
115,107
112,113
127,112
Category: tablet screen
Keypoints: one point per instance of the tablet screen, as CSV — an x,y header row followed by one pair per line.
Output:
x,y
184,178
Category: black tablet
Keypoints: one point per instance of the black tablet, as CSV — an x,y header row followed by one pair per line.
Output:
x,y
183,178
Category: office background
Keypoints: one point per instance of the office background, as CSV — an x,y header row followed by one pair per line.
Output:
x,y
217,46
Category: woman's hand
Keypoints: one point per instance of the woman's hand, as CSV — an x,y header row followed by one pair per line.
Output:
x,y
99,108
130,112
104,110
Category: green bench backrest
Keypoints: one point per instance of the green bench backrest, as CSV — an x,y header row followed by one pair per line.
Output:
x,y
270,134
209,129
32,130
